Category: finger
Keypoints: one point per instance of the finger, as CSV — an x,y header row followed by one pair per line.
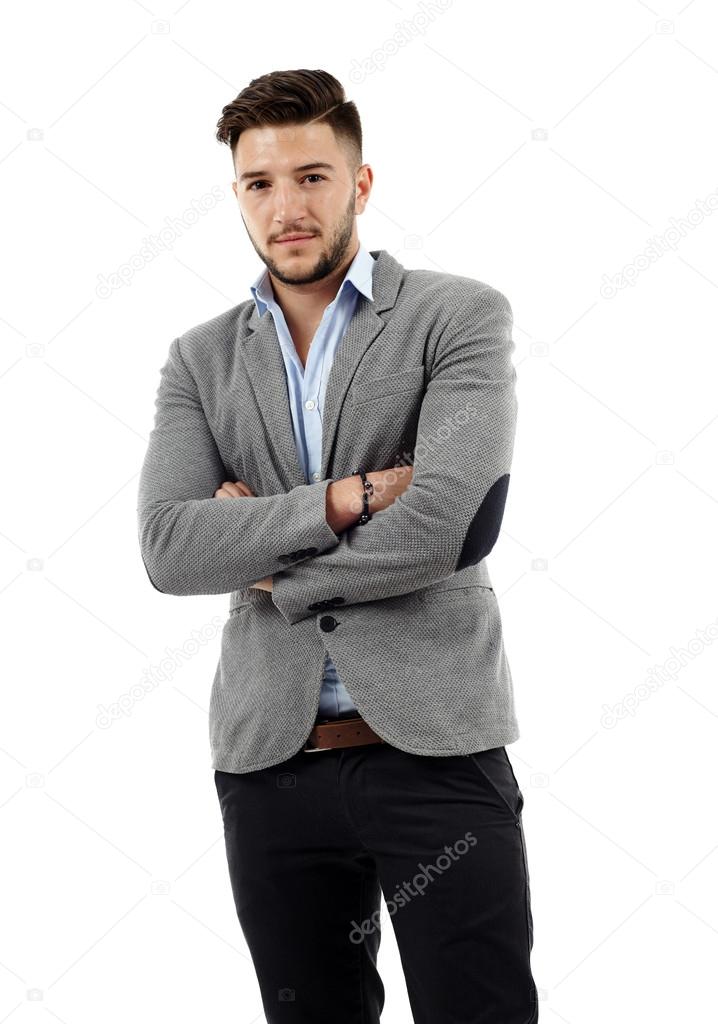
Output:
x,y
245,489
228,490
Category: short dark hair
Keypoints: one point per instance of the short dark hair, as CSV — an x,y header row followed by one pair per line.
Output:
x,y
294,97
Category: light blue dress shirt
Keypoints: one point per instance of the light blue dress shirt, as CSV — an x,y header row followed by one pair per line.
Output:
x,y
306,387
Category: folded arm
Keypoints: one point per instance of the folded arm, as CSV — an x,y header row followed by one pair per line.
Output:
x,y
450,515
192,543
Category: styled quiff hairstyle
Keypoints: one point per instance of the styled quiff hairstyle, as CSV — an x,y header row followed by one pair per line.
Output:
x,y
294,97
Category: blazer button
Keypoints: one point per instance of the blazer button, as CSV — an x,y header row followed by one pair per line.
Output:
x,y
327,623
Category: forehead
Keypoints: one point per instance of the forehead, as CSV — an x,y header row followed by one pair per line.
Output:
x,y
280,147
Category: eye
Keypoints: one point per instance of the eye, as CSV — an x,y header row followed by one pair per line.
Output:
x,y
250,188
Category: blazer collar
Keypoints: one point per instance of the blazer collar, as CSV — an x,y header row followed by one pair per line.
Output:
x,y
267,375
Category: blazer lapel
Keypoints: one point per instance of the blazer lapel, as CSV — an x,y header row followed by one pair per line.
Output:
x,y
265,367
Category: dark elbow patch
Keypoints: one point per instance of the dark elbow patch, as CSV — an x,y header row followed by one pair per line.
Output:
x,y
484,528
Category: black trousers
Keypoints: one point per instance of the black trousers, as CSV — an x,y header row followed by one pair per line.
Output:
x,y
313,842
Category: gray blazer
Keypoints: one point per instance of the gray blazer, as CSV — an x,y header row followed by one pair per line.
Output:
x,y
403,604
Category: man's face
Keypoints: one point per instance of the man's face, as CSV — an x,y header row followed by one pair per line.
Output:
x,y
321,202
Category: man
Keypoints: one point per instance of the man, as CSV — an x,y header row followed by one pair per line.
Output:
x,y
334,453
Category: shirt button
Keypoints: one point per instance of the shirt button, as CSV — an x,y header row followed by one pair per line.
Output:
x,y
310,404
315,476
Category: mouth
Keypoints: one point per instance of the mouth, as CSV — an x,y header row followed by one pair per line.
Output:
x,y
295,240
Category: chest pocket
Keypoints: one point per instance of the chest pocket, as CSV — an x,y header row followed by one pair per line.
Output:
x,y
409,381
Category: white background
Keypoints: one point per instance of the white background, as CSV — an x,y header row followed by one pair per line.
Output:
x,y
541,148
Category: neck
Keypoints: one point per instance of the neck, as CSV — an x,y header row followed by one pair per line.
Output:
x,y
305,303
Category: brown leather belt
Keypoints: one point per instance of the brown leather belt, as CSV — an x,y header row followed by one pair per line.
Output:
x,y
341,732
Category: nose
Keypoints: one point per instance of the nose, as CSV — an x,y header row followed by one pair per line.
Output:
x,y
289,205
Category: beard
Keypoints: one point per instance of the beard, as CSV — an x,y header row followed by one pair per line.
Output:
x,y
331,255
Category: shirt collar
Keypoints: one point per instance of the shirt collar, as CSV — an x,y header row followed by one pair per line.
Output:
x,y
359,273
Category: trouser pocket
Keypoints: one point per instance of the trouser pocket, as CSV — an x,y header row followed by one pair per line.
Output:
x,y
495,769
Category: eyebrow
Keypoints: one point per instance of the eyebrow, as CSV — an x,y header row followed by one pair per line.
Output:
x,y
266,174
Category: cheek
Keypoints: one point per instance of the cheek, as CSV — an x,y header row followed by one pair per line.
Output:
x,y
325,200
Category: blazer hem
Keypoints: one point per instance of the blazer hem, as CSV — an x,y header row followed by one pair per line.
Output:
x,y
499,736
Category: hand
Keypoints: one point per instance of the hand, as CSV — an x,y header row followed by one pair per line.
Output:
x,y
265,584
239,489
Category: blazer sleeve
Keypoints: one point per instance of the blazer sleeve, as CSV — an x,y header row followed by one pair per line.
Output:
x,y
194,543
450,515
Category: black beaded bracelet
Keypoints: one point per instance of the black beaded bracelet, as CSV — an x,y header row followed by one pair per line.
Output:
x,y
368,488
